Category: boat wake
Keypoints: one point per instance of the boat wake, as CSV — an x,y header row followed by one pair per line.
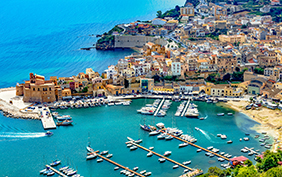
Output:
x,y
207,136
21,135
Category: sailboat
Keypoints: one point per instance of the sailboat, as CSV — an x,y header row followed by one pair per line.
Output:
x,y
88,147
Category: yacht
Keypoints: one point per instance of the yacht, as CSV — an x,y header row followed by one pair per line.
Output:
x,y
199,150
183,144
223,136
55,163
142,172
91,156
148,173
133,148
116,168
154,133
104,152
186,162
167,153
135,168
168,138
175,166
151,148
162,136
99,160
162,160
109,155
210,147
229,142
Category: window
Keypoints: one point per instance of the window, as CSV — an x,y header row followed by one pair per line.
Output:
x,y
50,89
33,89
38,89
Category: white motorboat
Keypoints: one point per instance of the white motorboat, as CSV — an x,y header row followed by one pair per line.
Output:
x,y
244,150
130,139
133,148
246,139
186,162
148,173
220,159
160,125
183,144
142,172
210,147
223,136
129,145
186,170
116,168
168,138
109,155
167,153
199,150
162,160
196,128
138,141
104,152
154,133
162,136
151,148
99,160
135,168
175,166
42,171
149,154
92,156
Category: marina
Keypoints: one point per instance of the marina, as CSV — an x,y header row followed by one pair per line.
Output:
x,y
184,111
116,164
159,107
47,119
161,156
56,171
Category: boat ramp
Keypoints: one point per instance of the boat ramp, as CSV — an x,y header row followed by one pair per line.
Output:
x,y
47,119
160,105
168,159
56,171
184,111
105,158
192,144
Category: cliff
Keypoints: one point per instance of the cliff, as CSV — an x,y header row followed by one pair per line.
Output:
x,y
107,42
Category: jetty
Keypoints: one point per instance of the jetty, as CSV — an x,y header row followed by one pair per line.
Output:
x,y
117,164
168,159
47,119
160,105
56,171
192,144
184,111
251,150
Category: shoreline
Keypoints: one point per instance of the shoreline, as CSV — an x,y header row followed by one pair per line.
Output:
x,y
10,110
271,126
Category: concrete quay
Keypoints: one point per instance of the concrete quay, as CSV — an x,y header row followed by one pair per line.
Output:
x,y
47,119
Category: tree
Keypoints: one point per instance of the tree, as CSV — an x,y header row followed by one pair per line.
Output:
x,y
159,14
248,163
251,99
226,77
247,172
274,172
177,8
85,89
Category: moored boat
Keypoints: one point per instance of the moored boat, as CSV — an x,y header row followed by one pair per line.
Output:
x,y
65,123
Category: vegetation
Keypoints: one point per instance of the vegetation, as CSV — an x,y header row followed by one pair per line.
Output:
x,y
266,167
106,38
170,13
259,70
85,89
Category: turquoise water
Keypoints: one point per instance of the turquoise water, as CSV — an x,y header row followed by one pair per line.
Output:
x,y
44,36
108,128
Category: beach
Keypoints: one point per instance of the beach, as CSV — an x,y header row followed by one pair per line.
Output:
x,y
270,120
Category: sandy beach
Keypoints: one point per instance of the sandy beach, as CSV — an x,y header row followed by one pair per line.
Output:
x,y
270,120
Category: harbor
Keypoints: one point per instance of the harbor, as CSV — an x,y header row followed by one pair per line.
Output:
x,y
56,171
47,119
119,121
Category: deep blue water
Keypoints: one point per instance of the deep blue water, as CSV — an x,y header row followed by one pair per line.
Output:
x,y
44,36
108,128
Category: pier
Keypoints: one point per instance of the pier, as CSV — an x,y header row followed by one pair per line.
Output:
x,y
184,111
47,120
102,157
251,150
56,171
160,105
131,142
192,144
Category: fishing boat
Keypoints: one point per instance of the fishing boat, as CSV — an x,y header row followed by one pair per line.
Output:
x,y
220,114
65,123
55,163
48,133
91,156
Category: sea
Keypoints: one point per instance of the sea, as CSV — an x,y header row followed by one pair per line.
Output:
x,y
44,37
25,148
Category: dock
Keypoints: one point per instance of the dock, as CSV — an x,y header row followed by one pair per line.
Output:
x,y
184,111
56,171
47,120
102,157
251,150
192,144
160,105
168,159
